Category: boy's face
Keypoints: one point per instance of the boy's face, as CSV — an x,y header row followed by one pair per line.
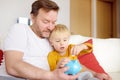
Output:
x,y
60,43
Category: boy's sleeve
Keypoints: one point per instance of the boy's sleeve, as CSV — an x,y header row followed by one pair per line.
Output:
x,y
89,50
52,61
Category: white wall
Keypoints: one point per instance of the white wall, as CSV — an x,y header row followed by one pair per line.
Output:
x,y
64,13
10,10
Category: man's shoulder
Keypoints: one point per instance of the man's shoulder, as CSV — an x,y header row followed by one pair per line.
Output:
x,y
20,25
19,28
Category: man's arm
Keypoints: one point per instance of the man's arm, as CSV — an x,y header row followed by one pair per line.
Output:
x,y
17,67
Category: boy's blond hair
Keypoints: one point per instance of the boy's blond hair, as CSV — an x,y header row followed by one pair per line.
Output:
x,y
59,29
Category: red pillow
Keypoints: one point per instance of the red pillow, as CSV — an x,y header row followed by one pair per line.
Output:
x,y
90,61
1,56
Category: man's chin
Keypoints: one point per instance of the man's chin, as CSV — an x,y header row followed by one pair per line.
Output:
x,y
45,36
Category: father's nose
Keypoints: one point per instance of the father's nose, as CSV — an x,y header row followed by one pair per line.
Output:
x,y
51,26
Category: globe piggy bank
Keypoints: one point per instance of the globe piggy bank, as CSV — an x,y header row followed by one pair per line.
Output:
x,y
74,67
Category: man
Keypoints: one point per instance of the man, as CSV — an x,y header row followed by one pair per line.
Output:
x,y
26,47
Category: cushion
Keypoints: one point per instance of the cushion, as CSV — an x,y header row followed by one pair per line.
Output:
x,y
90,61
77,39
1,56
107,52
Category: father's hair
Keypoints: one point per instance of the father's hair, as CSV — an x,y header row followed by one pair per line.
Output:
x,y
44,4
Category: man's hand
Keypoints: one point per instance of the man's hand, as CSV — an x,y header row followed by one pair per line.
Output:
x,y
60,75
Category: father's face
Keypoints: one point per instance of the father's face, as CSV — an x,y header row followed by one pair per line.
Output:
x,y
44,22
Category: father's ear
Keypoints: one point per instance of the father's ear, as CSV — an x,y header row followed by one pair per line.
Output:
x,y
32,18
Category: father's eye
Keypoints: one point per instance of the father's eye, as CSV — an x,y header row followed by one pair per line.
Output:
x,y
53,23
45,22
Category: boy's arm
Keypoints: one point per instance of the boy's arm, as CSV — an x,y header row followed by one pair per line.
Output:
x,y
81,49
52,61
87,48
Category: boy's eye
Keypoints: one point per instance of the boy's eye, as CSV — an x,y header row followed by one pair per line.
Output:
x,y
57,41
65,40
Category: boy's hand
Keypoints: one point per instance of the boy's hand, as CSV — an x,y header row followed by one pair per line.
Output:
x,y
78,48
59,72
62,62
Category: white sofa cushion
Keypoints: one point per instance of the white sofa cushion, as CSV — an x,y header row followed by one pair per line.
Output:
x,y
107,51
76,39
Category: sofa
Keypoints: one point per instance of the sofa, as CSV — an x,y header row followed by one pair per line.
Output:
x,y
105,51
